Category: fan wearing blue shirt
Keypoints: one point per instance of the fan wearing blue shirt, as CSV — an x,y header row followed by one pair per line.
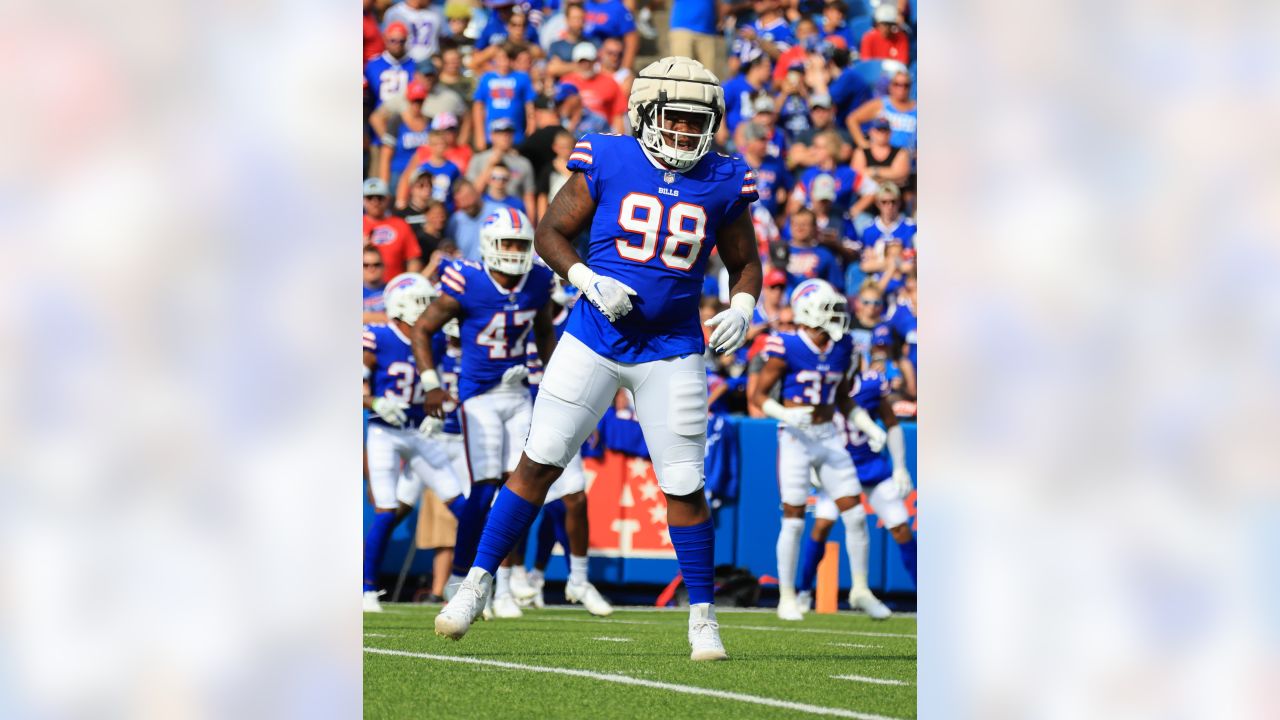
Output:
x,y
806,258
503,93
611,19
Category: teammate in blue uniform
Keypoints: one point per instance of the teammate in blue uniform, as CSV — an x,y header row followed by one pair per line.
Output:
x,y
654,205
814,365
887,483
395,397
901,331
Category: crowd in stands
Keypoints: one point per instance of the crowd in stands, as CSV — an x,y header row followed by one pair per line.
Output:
x,y
472,106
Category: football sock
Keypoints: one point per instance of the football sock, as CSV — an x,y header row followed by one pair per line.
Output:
x,y
457,505
695,547
810,555
503,578
375,546
508,521
577,569
561,529
550,531
856,543
908,551
787,548
470,525
518,573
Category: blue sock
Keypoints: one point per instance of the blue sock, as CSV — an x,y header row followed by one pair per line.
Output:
x,y
908,551
375,546
457,506
548,531
810,556
470,525
508,522
561,530
696,551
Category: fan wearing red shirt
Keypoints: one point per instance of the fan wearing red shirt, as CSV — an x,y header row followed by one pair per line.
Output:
x,y
391,235
373,45
886,41
600,92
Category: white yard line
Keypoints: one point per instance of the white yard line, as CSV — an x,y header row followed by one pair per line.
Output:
x,y
865,633
612,639
624,680
864,679
855,645
375,635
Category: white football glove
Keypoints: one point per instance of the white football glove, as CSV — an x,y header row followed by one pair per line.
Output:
x,y
799,417
876,435
611,297
391,410
731,325
902,480
515,375
431,426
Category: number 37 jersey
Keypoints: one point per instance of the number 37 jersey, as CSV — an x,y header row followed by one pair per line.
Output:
x,y
653,230
813,373
495,323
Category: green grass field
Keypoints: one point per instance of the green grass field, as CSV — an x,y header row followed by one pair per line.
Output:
x,y
562,663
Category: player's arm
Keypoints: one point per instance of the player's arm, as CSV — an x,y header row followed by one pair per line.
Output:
x,y
769,375
544,331
896,441
440,311
844,394
370,362
737,245
908,373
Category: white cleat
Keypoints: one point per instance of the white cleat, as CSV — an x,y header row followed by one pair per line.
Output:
x,y
371,603
521,588
704,633
590,598
458,614
487,613
788,609
804,601
869,604
451,586
504,606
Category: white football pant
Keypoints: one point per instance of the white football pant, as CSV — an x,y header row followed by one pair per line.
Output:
x,y
817,447
494,427
426,462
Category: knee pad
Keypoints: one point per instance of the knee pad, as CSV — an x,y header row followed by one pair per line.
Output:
x,y
680,476
547,447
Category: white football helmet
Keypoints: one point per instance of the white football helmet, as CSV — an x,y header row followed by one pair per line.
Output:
x,y
506,224
675,84
407,296
819,305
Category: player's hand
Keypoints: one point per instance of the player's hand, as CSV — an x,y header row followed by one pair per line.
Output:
x,y
434,402
515,375
611,297
431,426
390,410
799,417
902,480
731,325
876,437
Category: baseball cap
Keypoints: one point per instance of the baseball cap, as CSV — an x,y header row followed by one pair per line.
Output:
x,y
819,100
416,91
889,189
824,188
375,186
764,104
584,51
397,28
886,13
564,91
502,125
457,10
756,132
880,124
444,121
774,276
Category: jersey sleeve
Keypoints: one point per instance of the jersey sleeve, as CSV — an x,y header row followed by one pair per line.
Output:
x,y
370,339
453,281
747,191
774,347
871,390
583,160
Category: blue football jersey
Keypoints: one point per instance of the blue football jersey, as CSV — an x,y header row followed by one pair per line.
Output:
x,y
653,230
396,372
871,389
495,323
902,324
448,365
812,373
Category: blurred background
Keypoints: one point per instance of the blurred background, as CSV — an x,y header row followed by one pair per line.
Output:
x,y
178,513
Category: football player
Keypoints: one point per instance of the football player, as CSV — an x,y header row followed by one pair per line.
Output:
x,y
814,364
497,303
654,204
395,397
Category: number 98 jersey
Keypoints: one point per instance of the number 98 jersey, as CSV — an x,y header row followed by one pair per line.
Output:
x,y
495,323
653,230
813,373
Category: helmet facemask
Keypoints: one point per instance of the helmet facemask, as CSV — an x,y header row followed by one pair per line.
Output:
x,y
821,307
666,143
509,262
407,297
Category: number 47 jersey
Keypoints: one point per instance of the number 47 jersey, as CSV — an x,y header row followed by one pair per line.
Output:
x,y
495,323
653,230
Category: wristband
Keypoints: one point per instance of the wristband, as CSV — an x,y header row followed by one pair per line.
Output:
x,y
430,380
744,303
579,276
774,409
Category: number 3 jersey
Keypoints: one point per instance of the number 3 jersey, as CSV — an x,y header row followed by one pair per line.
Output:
x,y
813,373
495,323
653,231
396,372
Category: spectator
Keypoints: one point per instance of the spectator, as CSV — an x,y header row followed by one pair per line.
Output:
x,y
424,23
902,332
827,147
464,224
442,172
400,134
886,41
375,311
440,99
889,242
897,107
834,28
496,33
806,258
452,76
447,251
611,64
610,18
456,150
880,161
766,117
806,42
560,54
553,175
835,230
389,74
373,44
773,180
695,31
849,90
772,300
600,93
390,235
495,189
792,103
503,93
770,32
822,120
739,93
866,326
574,116
503,151
416,210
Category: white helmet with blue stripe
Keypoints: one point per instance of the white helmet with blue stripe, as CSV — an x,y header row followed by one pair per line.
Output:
x,y
817,304
407,296
507,224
